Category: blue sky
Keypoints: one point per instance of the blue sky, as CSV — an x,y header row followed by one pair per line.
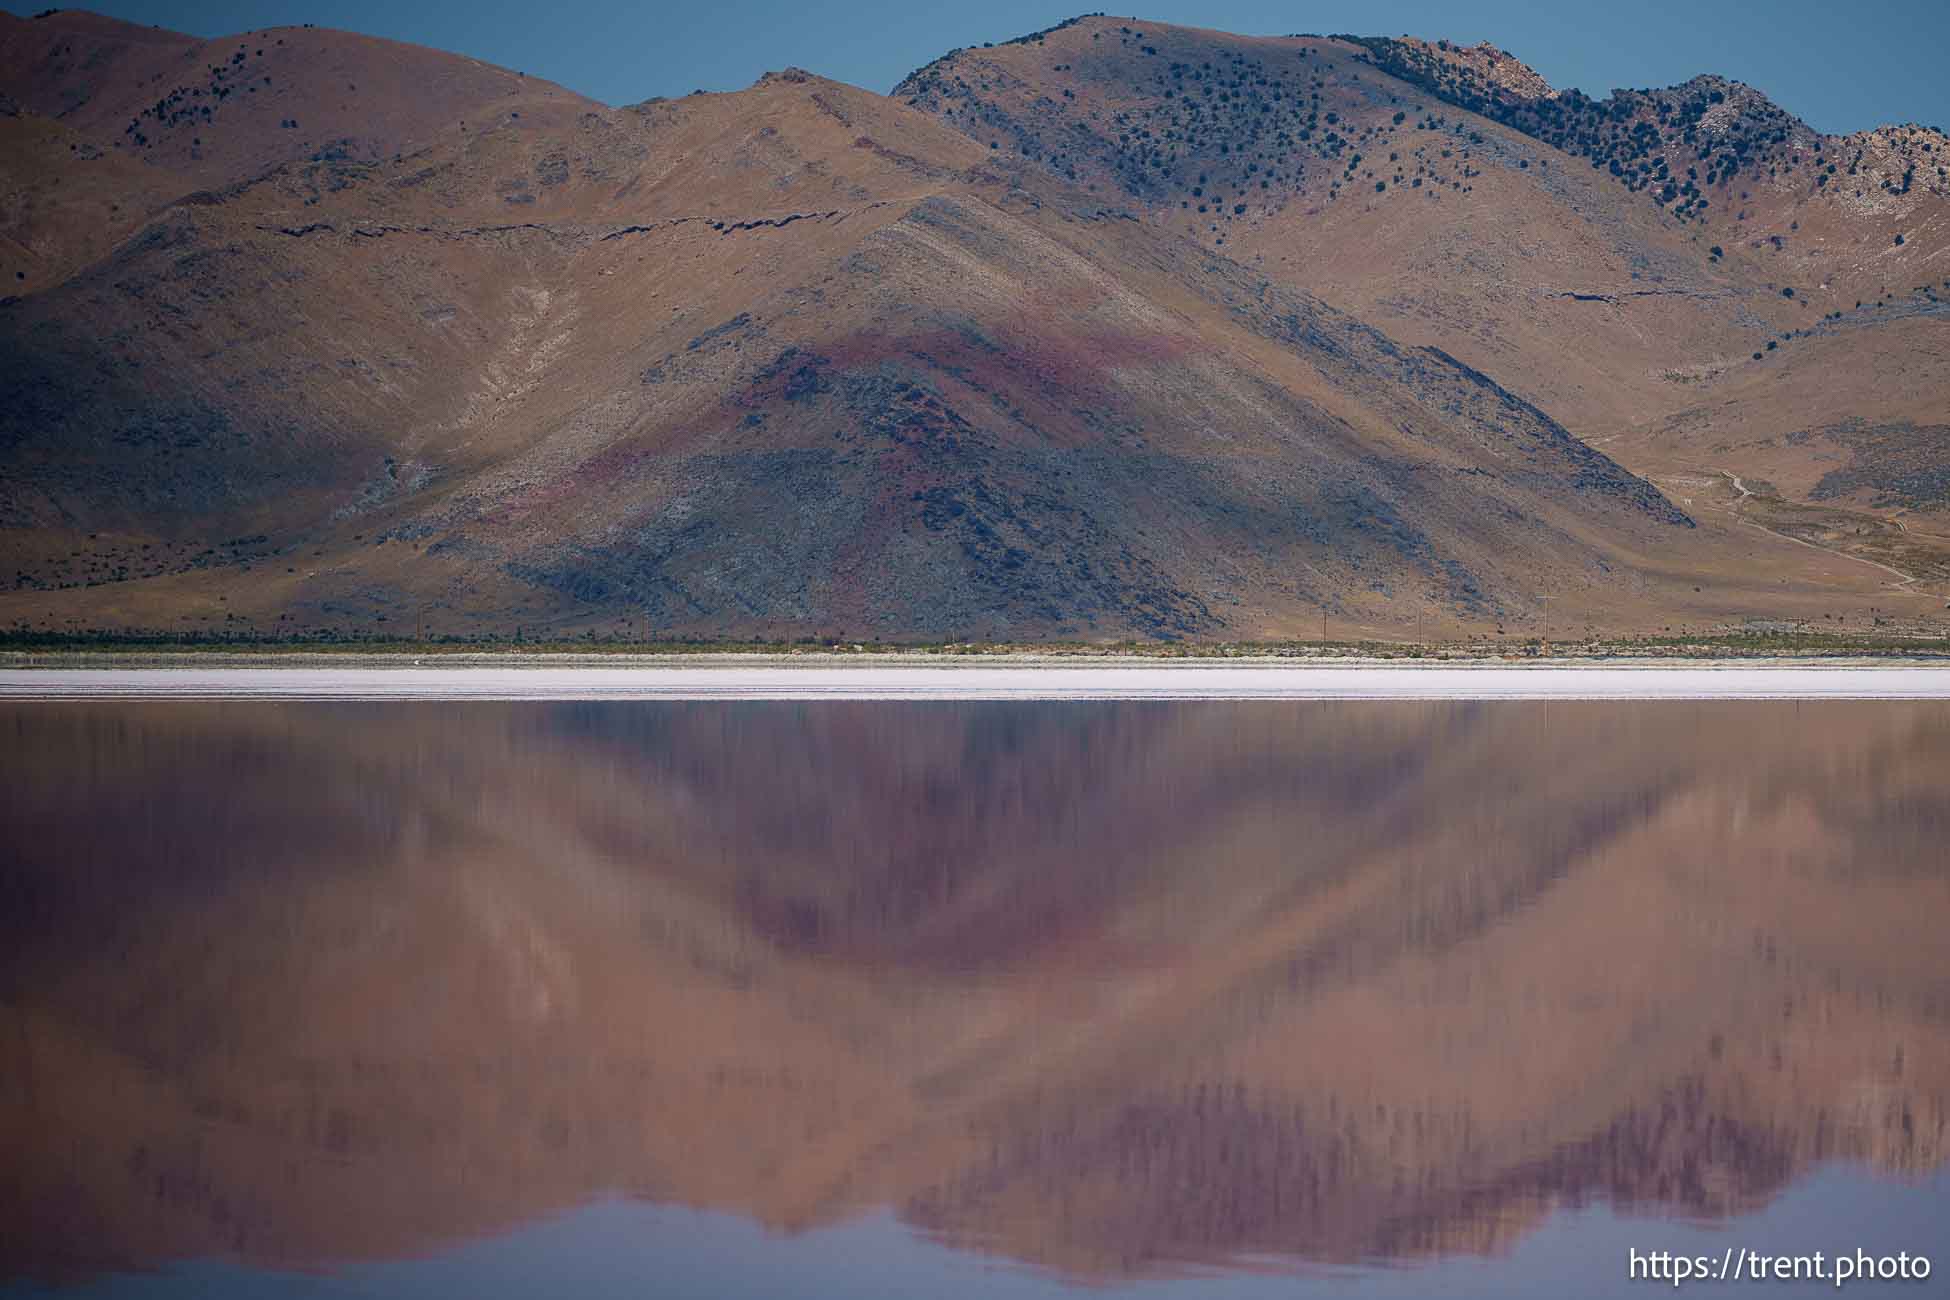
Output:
x,y
1841,67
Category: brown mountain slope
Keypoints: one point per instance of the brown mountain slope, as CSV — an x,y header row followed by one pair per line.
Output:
x,y
1299,157
1464,204
1718,154
221,111
1316,983
802,360
64,203
103,122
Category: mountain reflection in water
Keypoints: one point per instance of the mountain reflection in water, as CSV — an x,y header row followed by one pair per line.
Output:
x,y
1115,990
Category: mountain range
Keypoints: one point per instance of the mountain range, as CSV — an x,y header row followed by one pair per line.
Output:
x,y
1116,330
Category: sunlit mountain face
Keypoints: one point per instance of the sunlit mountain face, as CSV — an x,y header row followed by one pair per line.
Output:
x,y
1115,990
1114,331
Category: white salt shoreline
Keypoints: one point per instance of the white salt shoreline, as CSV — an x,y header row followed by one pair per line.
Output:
x,y
1186,680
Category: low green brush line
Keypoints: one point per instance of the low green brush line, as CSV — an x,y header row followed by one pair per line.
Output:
x,y
1727,645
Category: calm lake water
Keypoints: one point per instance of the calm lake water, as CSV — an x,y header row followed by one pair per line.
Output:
x,y
891,999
